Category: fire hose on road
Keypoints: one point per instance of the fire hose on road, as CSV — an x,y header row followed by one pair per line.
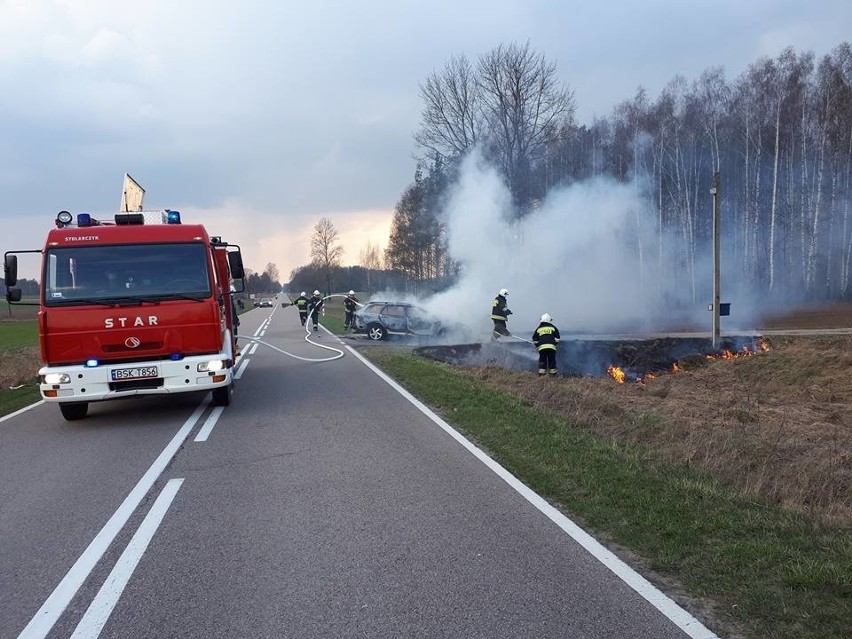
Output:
x,y
308,339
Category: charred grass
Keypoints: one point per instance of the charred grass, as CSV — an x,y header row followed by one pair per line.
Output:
x,y
729,481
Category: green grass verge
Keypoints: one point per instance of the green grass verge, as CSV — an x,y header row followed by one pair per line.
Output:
x,y
18,334
765,572
12,400
334,314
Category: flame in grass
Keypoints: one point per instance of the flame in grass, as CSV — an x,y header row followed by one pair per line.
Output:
x,y
620,376
616,373
745,351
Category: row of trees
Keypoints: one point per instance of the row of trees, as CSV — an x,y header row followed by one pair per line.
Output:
x,y
780,135
325,268
266,282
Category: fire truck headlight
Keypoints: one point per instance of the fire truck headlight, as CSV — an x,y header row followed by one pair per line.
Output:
x,y
56,378
212,366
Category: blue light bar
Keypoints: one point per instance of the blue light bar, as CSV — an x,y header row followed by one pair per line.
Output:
x,y
91,363
84,219
172,217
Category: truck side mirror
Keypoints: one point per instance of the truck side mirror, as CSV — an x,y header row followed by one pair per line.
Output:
x,y
13,295
10,270
235,263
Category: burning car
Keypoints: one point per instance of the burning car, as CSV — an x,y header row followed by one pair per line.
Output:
x,y
379,319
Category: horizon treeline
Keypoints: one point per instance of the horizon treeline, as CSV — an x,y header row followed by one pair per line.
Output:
x,y
779,135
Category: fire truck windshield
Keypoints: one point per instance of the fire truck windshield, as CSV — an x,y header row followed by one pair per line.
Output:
x,y
79,275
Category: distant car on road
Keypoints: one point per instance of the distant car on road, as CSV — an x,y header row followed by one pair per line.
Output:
x,y
265,301
379,319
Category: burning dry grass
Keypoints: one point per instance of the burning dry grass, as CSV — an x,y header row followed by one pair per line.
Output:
x,y
778,425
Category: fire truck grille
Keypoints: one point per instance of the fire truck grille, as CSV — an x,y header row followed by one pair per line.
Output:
x,y
121,348
136,384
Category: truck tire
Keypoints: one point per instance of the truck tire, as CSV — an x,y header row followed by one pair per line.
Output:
x,y
222,395
376,332
74,411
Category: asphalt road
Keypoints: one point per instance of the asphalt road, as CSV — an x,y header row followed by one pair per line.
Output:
x,y
322,503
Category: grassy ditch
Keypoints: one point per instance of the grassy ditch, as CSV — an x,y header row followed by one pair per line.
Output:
x,y
752,565
21,360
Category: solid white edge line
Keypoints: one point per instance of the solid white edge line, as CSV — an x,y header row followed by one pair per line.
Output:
x,y
677,615
21,410
46,616
243,363
204,431
103,604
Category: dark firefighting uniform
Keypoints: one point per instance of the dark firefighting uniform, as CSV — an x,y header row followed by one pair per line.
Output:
x,y
350,305
301,303
315,305
499,314
545,338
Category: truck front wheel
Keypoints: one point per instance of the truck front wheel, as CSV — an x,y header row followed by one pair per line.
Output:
x,y
77,410
222,395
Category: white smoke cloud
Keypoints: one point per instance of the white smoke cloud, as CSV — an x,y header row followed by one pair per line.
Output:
x,y
585,256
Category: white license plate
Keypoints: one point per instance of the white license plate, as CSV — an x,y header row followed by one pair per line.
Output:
x,y
139,372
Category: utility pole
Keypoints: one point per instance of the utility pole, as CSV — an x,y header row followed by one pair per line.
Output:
x,y
716,297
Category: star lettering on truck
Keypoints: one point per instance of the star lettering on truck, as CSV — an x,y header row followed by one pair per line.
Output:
x,y
129,322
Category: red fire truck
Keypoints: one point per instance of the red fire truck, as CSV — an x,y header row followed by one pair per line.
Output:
x,y
139,305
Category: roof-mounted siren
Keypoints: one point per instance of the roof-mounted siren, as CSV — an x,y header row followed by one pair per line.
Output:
x,y
132,195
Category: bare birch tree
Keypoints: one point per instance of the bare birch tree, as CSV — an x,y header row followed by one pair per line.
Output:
x,y
452,113
272,271
325,250
525,106
371,260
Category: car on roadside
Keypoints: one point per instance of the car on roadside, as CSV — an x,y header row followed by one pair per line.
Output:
x,y
265,302
379,319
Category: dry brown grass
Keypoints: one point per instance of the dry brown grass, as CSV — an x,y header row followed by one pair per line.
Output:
x,y
19,367
777,425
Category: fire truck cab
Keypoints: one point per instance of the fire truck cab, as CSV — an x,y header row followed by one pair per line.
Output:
x,y
139,305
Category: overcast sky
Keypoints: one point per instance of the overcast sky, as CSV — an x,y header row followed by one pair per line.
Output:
x,y
259,118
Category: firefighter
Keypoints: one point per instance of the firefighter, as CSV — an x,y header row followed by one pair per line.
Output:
x,y
545,338
350,304
316,305
301,303
500,314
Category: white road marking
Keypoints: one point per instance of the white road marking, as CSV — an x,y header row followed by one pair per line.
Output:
x,y
21,410
253,348
103,604
677,615
242,368
205,430
53,607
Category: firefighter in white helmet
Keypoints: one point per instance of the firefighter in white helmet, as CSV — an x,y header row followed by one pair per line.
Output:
x,y
546,338
350,305
301,303
500,314
316,305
